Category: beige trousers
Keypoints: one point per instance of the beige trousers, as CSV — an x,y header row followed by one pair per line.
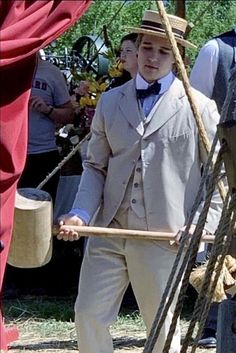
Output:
x,y
108,267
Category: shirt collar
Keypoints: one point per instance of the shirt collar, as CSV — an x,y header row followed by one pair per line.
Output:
x,y
165,82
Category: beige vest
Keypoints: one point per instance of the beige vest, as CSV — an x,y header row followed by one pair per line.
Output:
x,y
132,208
131,212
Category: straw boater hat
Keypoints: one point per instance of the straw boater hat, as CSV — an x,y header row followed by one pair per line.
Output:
x,y
152,25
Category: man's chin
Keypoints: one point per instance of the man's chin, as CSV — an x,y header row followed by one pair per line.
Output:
x,y
151,79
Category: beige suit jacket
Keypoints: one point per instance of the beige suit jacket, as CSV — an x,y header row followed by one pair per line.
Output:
x,y
170,153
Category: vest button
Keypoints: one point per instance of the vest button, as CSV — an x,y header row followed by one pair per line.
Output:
x,y
133,201
136,185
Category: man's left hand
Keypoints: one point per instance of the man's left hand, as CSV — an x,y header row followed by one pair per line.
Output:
x,y
181,231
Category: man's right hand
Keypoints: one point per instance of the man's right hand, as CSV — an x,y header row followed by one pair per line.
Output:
x,y
68,234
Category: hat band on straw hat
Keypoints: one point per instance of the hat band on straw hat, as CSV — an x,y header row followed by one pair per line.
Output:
x,y
152,25
159,28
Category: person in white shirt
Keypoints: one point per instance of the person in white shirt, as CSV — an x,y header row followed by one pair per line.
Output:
x,y
214,65
143,170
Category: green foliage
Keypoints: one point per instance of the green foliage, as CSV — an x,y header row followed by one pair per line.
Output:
x,y
116,15
210,18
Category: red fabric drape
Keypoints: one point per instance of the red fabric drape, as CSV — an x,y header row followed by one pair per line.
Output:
x,y
26,26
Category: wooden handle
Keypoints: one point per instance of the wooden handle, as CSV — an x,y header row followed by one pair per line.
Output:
x,y
125,233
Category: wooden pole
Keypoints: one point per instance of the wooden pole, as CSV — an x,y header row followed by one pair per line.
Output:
x,y
180,8
180,11
124,233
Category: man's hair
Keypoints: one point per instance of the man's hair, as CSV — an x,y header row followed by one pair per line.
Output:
x,y
131,36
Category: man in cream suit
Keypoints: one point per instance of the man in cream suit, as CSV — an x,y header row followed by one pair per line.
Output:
x,y
142,171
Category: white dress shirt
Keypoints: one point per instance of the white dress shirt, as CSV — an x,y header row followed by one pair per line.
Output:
x,y
204,71
203,74
149,102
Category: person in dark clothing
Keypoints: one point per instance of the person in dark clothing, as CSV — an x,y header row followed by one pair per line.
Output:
x,y
213,67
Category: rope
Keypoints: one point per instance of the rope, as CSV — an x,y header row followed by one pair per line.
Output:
x,y
183,74
191,254
220,248
155,330
201,309
65,159
202,319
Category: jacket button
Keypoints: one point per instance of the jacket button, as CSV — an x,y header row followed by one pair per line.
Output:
x,y
138,170
133,201
136,185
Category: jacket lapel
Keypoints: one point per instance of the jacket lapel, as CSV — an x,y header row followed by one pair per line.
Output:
x,y
165,108
130,107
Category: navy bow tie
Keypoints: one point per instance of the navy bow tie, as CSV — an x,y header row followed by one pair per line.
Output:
x,y
154,89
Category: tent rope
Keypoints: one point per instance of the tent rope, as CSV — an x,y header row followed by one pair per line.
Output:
x,y
219,251
65,159
193,252
155,330
220,247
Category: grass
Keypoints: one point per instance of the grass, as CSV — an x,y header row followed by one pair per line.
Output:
x,y
46,324
60,309
130,321
55,313
52,315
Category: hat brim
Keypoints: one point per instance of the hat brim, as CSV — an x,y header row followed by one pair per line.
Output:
x,y
183,42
